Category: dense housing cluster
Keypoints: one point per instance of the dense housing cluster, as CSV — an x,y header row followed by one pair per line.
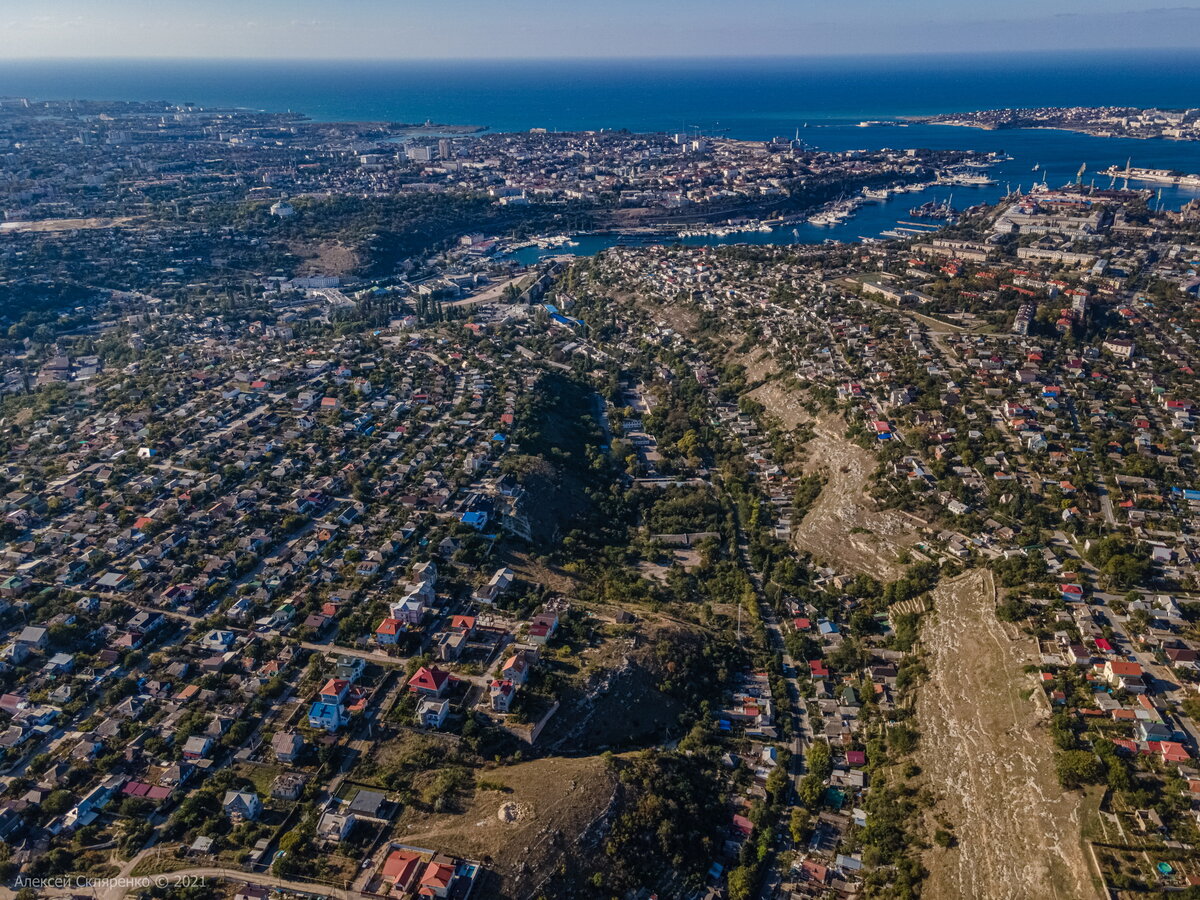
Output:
x,y
342,553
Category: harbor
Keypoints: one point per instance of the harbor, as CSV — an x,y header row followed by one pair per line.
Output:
x,y
1028,157
1153,176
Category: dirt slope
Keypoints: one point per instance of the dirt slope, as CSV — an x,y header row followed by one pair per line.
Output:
x,y
990,763
548,811
828,531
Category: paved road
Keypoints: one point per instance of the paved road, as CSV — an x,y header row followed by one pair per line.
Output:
x,y
376,656
127,884
772,875
1106,505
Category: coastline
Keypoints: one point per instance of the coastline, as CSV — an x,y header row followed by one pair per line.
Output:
x,y
983,126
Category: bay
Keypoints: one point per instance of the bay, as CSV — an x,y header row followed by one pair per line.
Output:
x,y
821,99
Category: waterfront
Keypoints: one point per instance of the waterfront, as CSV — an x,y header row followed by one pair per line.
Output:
x,y
821,100
1058,155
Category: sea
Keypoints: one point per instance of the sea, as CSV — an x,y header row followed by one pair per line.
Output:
x,y
824,100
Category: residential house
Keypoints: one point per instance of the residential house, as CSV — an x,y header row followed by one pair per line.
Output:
x,y
436,879
241,805
389,631
1125,675
516,668
197,746
429,682
501,695
218,641
33,637
287,746
431,713
542,627
500,582
333,828
401,868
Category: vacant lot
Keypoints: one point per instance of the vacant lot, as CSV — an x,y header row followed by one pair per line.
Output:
x,y
988,759
660,568
325,258
844,526
525,829
534,571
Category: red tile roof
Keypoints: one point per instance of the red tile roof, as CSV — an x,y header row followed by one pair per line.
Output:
x,y
427,679
401,866
437,875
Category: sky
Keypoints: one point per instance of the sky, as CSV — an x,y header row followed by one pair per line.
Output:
x,y
520,29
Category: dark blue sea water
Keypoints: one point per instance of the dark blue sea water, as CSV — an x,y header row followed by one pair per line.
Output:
x,y
750,98
824,97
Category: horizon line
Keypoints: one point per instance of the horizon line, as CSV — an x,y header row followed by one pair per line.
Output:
x,y
764,57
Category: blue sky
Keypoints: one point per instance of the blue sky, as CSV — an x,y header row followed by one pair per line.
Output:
x,y
424,29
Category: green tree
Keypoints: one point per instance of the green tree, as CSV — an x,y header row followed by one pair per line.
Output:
x,y
741,883
798,824
1078,767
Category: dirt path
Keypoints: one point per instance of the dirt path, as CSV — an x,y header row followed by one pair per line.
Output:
x,y
989,763
844,526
